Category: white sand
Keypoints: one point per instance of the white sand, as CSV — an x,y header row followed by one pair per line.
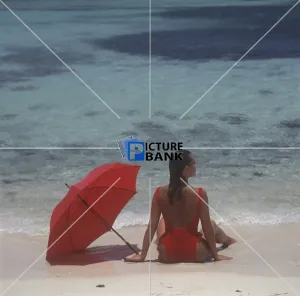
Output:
x,y
180,283
246,274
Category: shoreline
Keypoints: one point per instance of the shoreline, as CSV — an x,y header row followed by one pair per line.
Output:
x,y
273,202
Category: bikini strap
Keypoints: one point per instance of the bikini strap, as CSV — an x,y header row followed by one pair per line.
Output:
x,y
156,195
200,191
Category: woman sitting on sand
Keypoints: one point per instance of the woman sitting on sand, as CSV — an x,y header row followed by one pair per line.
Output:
x,y
182,206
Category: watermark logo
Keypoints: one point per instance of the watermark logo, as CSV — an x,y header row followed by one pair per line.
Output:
x,y
133,149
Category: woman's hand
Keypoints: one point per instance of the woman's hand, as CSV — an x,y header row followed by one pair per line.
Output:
x,y
223,257
135,258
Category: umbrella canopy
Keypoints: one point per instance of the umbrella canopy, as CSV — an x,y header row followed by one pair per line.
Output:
x,y
90,208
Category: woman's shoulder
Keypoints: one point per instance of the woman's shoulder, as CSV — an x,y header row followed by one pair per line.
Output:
x,y
187,190
160,192
162,188
192,190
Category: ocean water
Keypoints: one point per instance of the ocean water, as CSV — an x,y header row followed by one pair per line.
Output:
x,y
42,104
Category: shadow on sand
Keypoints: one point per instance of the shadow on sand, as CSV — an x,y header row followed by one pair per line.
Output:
x,y
96,255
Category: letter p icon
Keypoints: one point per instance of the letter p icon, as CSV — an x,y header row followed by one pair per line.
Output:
x,y
136,151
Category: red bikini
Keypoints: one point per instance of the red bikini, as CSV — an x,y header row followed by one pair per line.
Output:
x,y
180,243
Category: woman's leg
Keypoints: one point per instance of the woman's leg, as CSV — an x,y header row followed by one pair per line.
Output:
x,y
203,252
221,236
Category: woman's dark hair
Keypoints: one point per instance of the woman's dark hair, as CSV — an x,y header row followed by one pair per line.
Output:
x,y
176,167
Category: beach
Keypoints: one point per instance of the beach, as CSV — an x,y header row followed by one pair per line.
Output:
x,y
246,274
136,75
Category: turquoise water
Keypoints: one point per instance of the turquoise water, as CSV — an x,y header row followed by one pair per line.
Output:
x,y
107,45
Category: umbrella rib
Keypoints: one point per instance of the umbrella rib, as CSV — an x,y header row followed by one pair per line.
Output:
x,y
110,228
106,224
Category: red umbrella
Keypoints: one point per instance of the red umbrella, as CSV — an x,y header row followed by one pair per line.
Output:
x,y
90,208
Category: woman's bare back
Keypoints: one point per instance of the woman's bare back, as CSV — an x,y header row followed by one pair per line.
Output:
x,y
182,211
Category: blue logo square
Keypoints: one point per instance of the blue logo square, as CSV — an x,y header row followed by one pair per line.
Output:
x,y
135,150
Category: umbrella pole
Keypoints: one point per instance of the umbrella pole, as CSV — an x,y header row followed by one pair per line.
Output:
x,y
110,228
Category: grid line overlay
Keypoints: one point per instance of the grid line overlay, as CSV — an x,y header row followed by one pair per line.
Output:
x,y
150,110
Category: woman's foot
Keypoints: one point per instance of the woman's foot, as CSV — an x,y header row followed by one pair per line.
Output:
x,y
229,241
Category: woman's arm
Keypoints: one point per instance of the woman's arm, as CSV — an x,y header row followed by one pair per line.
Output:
x,y
149,234
152,227
207,226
